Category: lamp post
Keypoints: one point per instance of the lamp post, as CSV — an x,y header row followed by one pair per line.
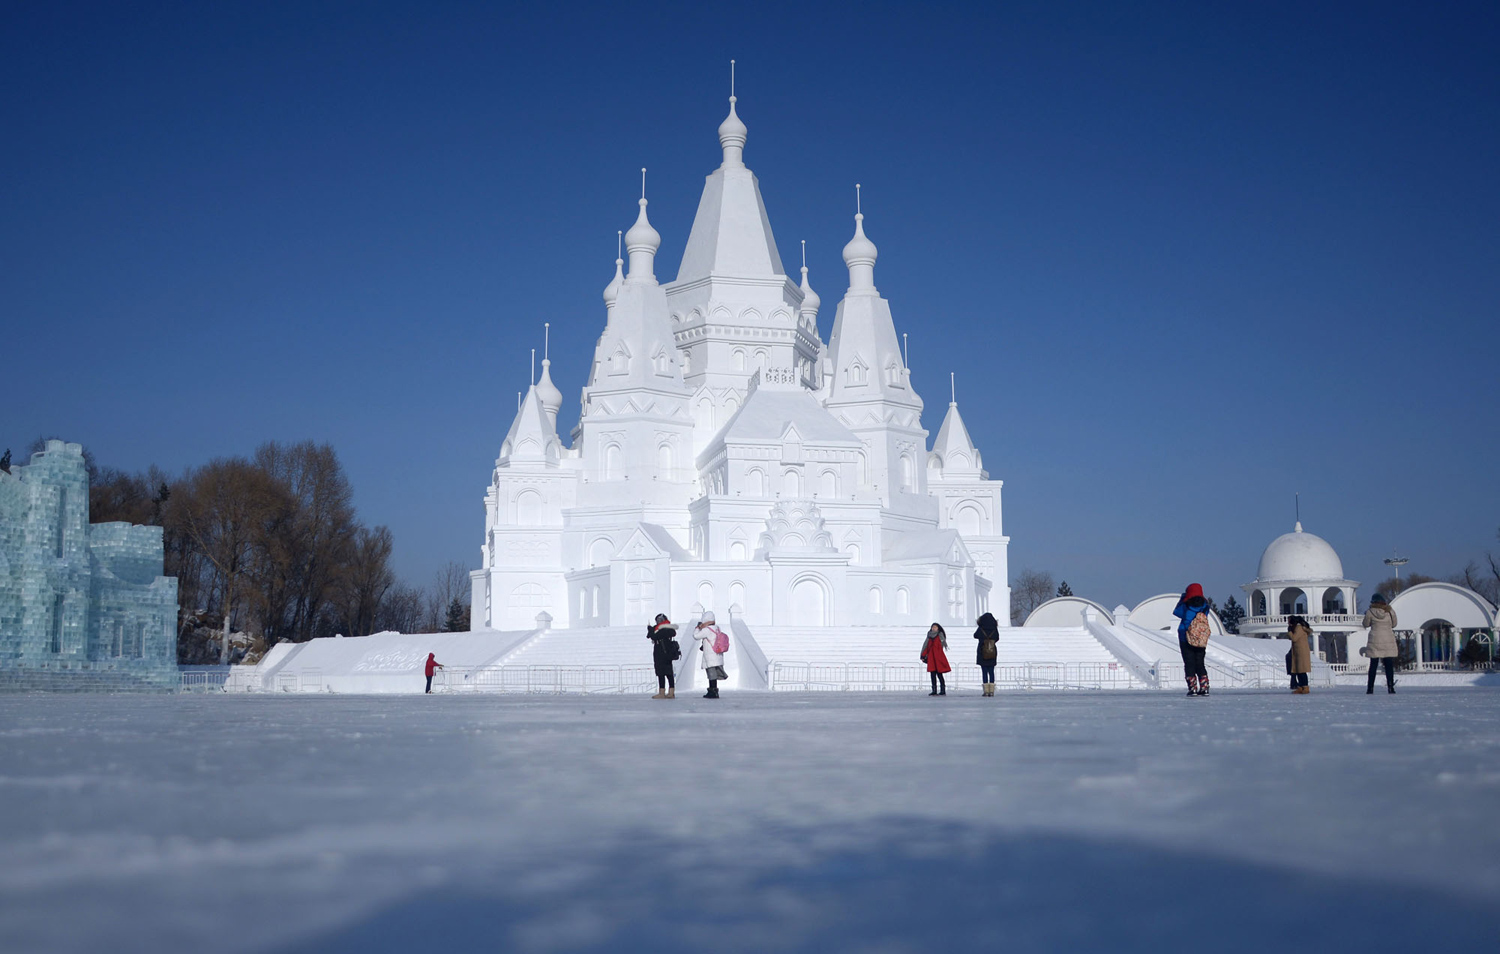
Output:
x,y
1398,562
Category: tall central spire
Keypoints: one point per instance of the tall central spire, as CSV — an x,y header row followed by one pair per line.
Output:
x,y
732,131
641,242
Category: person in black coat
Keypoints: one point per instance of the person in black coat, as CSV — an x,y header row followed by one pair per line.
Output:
x,y
985,654
664,654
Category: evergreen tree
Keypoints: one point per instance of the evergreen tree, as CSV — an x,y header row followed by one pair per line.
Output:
x,y
1232,615
1064,589
458,617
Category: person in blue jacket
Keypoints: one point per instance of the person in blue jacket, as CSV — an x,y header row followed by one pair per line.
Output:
x,y
1188,607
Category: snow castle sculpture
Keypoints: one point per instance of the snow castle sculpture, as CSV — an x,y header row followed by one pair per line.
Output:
x,y
726,458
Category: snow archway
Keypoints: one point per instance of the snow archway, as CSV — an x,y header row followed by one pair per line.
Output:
x,y
809,602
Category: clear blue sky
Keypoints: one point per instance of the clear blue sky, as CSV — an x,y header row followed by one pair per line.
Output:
x,y
1185,259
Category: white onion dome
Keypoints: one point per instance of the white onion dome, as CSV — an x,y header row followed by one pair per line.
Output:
x,y
732,133
612,290
810,300
1299,557
641,243
859,255
547,392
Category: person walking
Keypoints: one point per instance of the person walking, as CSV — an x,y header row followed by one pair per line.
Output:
x,y
988,650
1299,657
1192,638
664,654
936,659
713,643
1380,620
432,666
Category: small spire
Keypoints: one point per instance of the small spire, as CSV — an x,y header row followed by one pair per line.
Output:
x,y
905,352
952,390
546,339
532,381
810,300
860,253
643,242
612,290
546,391
732,131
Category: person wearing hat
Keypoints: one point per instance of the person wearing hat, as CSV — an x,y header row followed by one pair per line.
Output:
x,y
707,633
1380,620
431,666
1299,657
1189,607
664,653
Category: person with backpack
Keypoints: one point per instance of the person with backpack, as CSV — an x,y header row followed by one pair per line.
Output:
x,y
432,666
664,654
713,643
988,650
936,659
1299,657
1380,620
1192,638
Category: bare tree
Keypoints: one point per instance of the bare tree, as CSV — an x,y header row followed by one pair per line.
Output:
x,y
365,580
450,584
1031,589
221,514
403,610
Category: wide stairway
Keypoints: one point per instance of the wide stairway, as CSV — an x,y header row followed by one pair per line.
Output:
x,y
596,646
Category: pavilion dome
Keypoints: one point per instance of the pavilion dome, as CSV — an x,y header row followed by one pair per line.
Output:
x,y
1300,556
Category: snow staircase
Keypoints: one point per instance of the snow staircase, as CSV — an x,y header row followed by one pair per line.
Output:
x,y
903,644
593,646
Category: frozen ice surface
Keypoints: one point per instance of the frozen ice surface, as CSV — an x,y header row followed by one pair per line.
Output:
x,y
818,822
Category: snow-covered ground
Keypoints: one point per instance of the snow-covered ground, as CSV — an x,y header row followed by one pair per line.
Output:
x,y
761,822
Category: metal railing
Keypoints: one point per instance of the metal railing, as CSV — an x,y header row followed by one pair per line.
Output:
x,y
906,677
202,680
546,679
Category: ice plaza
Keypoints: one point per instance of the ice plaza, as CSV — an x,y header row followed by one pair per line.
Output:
x,y
1040,821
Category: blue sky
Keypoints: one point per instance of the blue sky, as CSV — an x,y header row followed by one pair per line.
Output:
x,y
1185,262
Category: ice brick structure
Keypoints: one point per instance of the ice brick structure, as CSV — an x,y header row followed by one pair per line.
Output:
x,y
727,459
82,606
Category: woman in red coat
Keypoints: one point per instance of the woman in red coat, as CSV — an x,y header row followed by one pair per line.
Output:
x,y
936,659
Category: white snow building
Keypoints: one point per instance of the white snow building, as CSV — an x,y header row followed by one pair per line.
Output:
x,y
726,458
1301,574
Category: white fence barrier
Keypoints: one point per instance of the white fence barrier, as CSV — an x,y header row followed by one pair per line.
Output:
x,y
888,677
202,680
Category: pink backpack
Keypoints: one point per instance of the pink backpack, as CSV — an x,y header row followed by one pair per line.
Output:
x,y
721,641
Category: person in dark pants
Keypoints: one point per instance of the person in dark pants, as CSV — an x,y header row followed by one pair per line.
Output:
x,y
1380,620
432,666
1299,657
664,654
988,650
1191,640
936,659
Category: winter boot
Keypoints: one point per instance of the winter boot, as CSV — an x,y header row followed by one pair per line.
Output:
x,y
1203,685
1390,680
660,694
1370,686
672,692
1192,682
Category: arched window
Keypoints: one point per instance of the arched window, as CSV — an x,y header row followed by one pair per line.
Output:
x,y
755,483
1293,600
762,359
706,595
908,472
737,594
664,463
737,550
614,462
863,466
875,601
903,601
594,601
853,550
968,520
583,602
703,414
529,508
791,484
599,551
526,601
1257,603
828,484
739,359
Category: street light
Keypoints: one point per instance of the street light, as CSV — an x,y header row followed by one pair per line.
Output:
x,y
1398,562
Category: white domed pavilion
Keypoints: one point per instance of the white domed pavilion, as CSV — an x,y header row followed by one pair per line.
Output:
x,y
1301,574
